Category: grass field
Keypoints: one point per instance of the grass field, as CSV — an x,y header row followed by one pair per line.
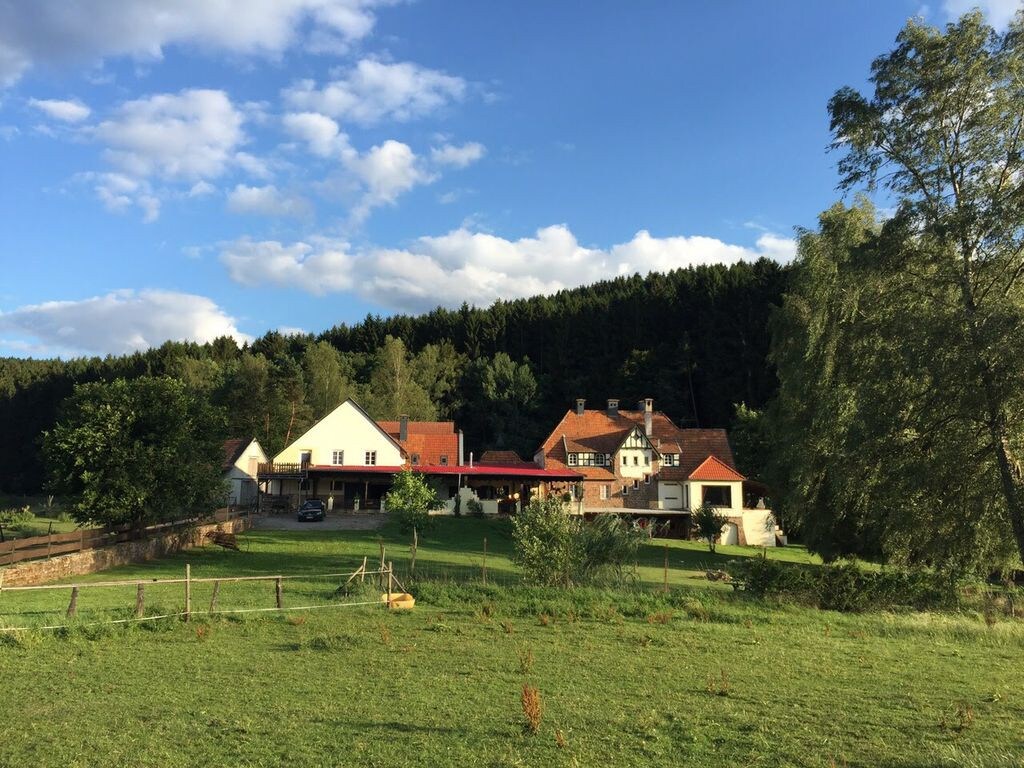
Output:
x,y
697,677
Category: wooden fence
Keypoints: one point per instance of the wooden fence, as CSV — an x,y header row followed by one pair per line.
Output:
x,y
50,545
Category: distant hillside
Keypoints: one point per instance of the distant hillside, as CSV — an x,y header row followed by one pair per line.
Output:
x,y
696,340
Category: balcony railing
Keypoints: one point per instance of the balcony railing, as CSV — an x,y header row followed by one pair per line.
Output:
x,y
271,469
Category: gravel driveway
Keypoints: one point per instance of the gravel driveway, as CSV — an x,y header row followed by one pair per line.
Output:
x,y
334,522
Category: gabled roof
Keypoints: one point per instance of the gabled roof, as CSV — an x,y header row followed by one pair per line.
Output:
x,y
429,440
598,432
233,450
715,469
505,458
362,412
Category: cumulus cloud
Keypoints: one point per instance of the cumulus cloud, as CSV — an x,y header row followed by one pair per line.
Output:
x,y
68,111
459,157
998,12
267,201
387,170
463,265
373,91
320,266
189,136
119,322
319,132
60,33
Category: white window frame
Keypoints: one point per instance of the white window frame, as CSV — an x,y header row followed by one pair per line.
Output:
x,y
370,459
337,458
625,490
636,485
647,479
574,459
604,492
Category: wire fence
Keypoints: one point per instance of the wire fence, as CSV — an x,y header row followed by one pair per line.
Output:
x,y
131,601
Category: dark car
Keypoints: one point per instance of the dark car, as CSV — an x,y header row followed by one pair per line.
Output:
x,y
311,511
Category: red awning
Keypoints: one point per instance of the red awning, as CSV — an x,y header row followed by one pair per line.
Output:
x,y
477,470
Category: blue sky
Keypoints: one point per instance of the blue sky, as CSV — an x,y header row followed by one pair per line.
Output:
x,y
188,169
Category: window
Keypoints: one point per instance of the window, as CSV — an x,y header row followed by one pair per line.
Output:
x,y
636,461
668,459
647,479
338,458
718,495
444,460
625,490
599,459
573,459
647,459
370,459
415,459
636,484
337,485
604,491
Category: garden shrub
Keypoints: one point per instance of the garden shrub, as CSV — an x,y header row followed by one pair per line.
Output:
x,y
844,585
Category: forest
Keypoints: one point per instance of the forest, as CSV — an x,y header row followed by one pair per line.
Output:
x,y
696,340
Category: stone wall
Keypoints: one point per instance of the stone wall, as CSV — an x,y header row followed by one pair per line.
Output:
x,y
94,560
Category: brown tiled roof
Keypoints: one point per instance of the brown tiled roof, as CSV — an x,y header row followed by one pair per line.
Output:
x,y
596,431
430,440
507,458
233,449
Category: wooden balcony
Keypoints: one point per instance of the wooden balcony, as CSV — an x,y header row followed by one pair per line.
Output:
x,y
270,470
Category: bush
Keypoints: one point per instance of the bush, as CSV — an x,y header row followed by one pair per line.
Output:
x,y
476,509
547,542
708,523
844,585
608,547
411,501
17,518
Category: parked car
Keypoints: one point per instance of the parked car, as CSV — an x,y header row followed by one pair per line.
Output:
x,y
311,511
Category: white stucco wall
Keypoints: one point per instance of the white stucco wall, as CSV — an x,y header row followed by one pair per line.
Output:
x,y
347,429
242,474
696,491
671,495
643,457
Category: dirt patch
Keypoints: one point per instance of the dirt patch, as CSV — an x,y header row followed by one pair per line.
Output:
x,y
349,521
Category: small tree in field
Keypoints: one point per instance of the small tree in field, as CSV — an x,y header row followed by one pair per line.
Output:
x,y
412,500
547,542
709,521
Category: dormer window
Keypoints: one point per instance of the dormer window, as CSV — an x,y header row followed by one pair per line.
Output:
x,y
444,460
668,459
574,459
415,459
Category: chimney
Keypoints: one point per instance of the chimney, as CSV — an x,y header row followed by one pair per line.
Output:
x,y
613,407
461,445
648,408
403,428
580,402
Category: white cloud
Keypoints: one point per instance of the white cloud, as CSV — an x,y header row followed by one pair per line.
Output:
x,y
456,156
267,201
374,90
387,170
472,266
201,189
320,133
188,136
318,267
120,322
998,12
69,111
61,33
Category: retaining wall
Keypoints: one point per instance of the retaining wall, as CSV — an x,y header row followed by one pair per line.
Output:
x,y
93,560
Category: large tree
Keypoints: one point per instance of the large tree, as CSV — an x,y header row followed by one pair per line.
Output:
x,y
136,452
913,348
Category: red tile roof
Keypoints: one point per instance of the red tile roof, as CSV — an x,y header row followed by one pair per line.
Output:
x,y
715,469
598,432
510,458
428,440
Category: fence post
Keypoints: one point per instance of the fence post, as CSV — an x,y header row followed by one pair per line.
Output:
x,y
216,592
362,576
666,567
278,594
188,592
415,545
381,563
390,571
49,540
485,561
73,605
140,600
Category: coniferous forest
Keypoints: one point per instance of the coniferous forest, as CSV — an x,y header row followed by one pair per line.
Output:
x,y
696,340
